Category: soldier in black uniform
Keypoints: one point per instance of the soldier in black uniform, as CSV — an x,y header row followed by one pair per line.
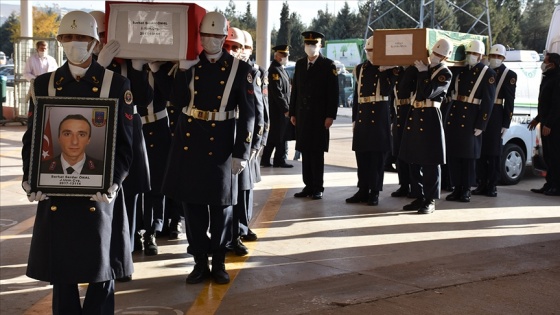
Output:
x,y
405,85
79,239
313,107
424,129
472,92
488,165
371,120
138,180
211,146
240,46
549,118
279,101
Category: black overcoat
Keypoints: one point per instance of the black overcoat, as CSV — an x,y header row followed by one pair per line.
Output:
x,y
464,117
76,240
313,99
405,86
279,102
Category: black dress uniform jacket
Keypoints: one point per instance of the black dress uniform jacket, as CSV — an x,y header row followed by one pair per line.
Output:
x,y
138,179
314,98
464,117
423,139
76,240
279,102
372,118
200,162
405,86
501,113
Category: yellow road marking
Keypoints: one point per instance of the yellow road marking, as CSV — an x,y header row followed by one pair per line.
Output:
x,y
210,297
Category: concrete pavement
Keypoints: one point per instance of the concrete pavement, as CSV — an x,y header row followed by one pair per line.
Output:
x,y
490,256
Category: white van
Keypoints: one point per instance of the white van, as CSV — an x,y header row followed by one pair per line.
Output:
x,y
518,141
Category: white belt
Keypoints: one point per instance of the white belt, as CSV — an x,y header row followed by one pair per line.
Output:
x,y
465,99
372,99
207,115
499,101
426,103
154,117
134,109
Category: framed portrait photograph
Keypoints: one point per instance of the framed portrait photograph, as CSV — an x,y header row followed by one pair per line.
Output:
x,y
73,145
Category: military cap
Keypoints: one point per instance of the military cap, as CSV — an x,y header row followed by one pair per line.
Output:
x,y
312,37
282,49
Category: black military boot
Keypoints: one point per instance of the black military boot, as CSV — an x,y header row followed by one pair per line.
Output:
x,y
414,205
465,195
401,192
175,229
481,189
201,270
219,272
492,191
455,195
360,196
150,245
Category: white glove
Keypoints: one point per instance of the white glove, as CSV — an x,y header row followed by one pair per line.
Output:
x,y
477,132
108,197
109,51
254,153
138,64
33,196
238,165
504,131
155,65
186,64
420,66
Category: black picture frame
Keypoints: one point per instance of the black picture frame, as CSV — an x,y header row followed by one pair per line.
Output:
x,y
50,145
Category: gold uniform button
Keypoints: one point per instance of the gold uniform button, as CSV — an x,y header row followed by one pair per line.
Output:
x,y
373,112
92,209
195,92
223,69
421,129
451,114
359,120
210,153
196,77
219,97
189,120
421,119
373,121
398,125
408,128
213,125
464,116
465,107
222,82
151,133
211,138
54,208
172,134
172,111
462,126
188,134
410,118
151,145
172,123
185,148
360,111
449,123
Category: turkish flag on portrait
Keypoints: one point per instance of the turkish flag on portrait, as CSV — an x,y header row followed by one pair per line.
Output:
x,y
47,147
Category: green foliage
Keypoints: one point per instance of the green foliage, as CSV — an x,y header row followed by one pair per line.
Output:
x,y
7,43
535,23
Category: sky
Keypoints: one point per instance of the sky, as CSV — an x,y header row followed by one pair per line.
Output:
x,y
306,9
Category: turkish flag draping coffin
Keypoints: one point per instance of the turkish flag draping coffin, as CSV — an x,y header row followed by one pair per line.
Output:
x,y
155,31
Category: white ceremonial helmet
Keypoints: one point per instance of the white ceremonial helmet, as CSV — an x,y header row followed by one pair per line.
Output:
x,y
248,39
498,49
443,47
80,23
236,35
214,23
100,19
369,43
476,46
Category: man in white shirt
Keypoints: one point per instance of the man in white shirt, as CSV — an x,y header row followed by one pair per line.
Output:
x,y
40,62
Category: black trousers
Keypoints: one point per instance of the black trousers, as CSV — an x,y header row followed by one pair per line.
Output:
x,y
551,152
280,153
131,202
462,172
403,171
242,213
99,299
154,206
371,170
425,180
200,218
488,170
313,168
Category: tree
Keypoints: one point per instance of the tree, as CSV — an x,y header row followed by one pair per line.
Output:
x,y
231,15
535,24
285,26
323,23
248,21
45,23
296,40
505,19
7,43
344,25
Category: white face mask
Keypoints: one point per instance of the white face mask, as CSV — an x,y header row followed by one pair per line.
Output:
x,y
247,52
77,52
544,67
369,56
212,45
495,63
41,53
434,60
472,60
311,50
284,61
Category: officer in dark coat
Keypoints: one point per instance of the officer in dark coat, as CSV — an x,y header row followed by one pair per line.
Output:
x,y
406,82
211,146
371,119
488,165
138,180
279,101
76,239
240,46
472,91
424,129
313,107
549,118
